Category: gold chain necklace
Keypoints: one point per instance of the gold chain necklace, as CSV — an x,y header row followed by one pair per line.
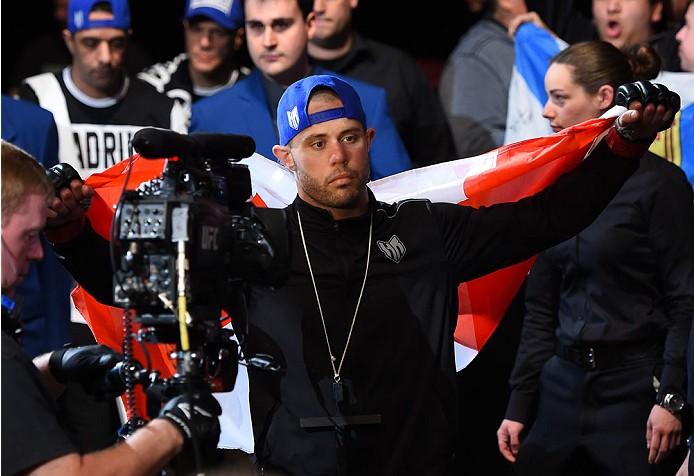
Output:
x,y
336,371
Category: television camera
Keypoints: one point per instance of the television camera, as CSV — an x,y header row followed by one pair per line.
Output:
x,y
186,247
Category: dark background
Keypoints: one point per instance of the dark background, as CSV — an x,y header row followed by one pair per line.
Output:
x,y
428,35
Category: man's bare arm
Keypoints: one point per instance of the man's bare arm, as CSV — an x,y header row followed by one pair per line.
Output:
x,y
144,453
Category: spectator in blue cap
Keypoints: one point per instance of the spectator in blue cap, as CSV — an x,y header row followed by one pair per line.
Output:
x,y
97,54
47,52
97,106
213,31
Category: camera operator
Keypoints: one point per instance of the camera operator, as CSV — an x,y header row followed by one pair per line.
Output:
x,y
33,441
392,407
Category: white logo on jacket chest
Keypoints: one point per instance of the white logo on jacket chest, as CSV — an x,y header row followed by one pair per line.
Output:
x,y
394,249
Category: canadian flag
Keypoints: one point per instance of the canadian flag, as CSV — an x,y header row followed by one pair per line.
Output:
x,y
508,173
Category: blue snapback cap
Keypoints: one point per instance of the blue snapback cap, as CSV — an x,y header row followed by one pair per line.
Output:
x,y
228,13
78,15
292,117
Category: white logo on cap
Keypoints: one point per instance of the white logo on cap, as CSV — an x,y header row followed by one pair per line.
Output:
x,y
293,118
79,18
223,6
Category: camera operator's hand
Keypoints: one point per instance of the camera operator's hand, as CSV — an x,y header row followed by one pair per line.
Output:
x,y
198,417
88,365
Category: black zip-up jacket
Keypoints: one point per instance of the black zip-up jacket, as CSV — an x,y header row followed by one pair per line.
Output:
x,y
400,361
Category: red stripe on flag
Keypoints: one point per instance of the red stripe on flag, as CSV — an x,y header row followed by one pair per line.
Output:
x,y
522,169
107,325
258,202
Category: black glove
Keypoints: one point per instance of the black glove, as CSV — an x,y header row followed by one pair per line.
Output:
x,y
201,421
646,93
61,175
88,365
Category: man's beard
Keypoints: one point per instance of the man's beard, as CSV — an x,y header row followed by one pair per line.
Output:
x,y
344,197
335,40
109,83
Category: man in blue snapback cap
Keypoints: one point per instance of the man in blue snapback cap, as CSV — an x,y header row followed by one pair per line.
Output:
x,y
364,325
337,104
213,31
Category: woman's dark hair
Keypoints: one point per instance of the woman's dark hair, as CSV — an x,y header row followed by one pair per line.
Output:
x,y
595,63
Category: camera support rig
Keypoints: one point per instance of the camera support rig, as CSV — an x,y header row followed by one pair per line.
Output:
x,y
185,247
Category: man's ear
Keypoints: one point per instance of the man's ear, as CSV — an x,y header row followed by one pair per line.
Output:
x,y
311,25
284,155
68,38
370,134
239,38
656,12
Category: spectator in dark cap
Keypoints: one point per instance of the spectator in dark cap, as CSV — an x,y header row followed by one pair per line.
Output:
x,y
213,33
